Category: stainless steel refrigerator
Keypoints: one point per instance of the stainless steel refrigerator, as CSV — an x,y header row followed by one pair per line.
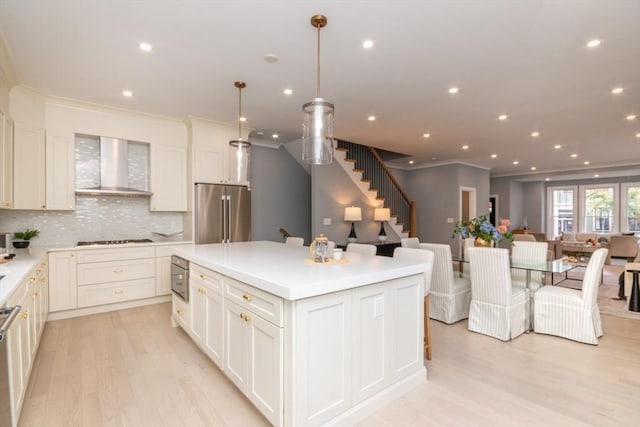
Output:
x,y
222,213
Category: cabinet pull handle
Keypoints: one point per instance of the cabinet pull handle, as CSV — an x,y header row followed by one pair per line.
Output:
x,y
247,297
202,290
118,270
25,314
118,291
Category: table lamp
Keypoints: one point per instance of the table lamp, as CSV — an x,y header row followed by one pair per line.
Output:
x,y
352,214
382,215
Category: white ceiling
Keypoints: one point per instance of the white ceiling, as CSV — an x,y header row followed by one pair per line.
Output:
x,y
527,59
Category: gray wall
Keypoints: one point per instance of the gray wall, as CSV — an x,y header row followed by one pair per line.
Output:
x,y
534,205
280,195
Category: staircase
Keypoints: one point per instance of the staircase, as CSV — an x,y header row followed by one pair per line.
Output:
x,y
367,170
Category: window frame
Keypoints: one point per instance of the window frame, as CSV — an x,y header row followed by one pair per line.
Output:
x,y
624,204
615,215
550,205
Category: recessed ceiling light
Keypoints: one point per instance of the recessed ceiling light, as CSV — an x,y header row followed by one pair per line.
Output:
x,y
574,155
533,168
595,175
411,162
288,91
127,93
371,118
547,179
502,117
465,147
434,158
367,44
275,136
493,156
453,90
617,90
557,147
270,58
243,119
426,135
593,43
515,162
637,135
631,117
535,134
145,47
587,162
260,133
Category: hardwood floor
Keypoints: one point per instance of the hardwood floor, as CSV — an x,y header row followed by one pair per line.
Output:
x,y
130,368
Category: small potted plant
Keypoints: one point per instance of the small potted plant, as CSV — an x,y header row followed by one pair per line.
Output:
x,y
22,238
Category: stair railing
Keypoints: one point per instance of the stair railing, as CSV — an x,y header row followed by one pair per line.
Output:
x,y
368,161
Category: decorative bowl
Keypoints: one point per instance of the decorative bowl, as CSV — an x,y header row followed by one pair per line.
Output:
x,y
20,244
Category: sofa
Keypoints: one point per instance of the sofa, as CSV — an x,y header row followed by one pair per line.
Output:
x,y
619,245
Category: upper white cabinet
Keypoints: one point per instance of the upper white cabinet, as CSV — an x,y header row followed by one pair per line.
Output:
x,y
28,167
168,178
60,170
208,163
6,161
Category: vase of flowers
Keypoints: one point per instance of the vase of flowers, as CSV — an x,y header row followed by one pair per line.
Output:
x,y
482,231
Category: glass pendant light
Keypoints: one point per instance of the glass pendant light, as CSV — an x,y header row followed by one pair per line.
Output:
x,y
317,128
239,149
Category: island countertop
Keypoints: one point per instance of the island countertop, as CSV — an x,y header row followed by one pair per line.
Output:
x,y
288,271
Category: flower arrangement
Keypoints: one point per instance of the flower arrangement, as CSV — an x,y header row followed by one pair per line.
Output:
x,y
480,227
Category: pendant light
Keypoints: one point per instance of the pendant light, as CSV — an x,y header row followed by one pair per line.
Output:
x,y
317,128
239,149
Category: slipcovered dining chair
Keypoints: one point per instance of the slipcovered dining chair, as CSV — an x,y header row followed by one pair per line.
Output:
x,y
497,309
294,241
450,294
362,248
410,242
426,257
571,313
528,252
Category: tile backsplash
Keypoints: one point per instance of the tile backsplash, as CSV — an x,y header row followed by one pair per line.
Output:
x,y
95,218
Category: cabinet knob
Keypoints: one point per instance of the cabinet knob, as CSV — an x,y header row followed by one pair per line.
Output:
x,y
72,255
203,277
32,279
34,295
247,297
25,314
44,206
118,291
247,318
202,290
178,312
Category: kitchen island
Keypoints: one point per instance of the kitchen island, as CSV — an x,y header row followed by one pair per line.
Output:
x,y
307,343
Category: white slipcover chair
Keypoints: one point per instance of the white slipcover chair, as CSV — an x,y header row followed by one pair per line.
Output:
x,y
450,294
571,313
410,242
497,309
426,257
294,241
362,248
528,252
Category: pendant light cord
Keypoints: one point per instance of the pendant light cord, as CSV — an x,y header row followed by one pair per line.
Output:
x,y
318,64
240,113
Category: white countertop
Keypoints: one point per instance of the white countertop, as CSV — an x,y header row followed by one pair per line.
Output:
x,y
287,271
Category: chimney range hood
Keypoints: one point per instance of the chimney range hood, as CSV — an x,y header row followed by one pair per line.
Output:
x,y
114,171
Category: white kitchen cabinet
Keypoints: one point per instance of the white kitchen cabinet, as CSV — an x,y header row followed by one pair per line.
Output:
x,y
210,163
180,313
60,170
63,281
168,178
36,291
28,167
206,312
6,161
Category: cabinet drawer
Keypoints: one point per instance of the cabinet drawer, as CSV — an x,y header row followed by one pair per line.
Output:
x,y
108,293
115,271
180,312
212,279
168,250
100,255
264,304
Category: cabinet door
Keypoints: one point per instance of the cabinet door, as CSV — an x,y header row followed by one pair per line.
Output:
x,y
214,330
168,178
163,275
236,346
265,379
62,281
17,360
28,168
197,303
209,163
60,170
6,162
407,329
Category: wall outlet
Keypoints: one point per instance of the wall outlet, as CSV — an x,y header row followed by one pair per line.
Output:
x,y
327,221
449,220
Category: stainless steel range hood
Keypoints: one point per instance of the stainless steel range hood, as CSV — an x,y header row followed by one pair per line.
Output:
x,y
114,171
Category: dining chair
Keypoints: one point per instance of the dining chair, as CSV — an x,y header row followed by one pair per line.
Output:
x,y
528,252
362,248
294,241
450,294
497,308
424,257
571,313
410,242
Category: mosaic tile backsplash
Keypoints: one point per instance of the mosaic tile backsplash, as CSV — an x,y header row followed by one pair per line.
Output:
x,y
95,218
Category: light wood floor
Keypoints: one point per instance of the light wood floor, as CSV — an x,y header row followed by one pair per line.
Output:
x,y
130,368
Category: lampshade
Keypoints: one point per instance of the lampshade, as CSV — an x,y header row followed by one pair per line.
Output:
x,y
352,214
317,127
239,149
381,214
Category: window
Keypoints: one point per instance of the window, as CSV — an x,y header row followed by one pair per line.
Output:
x,y
630,207
599,208
562,210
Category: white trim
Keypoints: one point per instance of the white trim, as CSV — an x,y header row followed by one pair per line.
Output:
x,y
66,314
615,216
624,189
576,214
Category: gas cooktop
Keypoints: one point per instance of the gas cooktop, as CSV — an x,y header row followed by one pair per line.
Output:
x,y
114,242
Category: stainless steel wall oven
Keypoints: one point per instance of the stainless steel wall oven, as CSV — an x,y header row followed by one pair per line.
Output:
x,y
180,277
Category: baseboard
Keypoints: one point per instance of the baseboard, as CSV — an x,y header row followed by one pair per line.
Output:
x,y
67,314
